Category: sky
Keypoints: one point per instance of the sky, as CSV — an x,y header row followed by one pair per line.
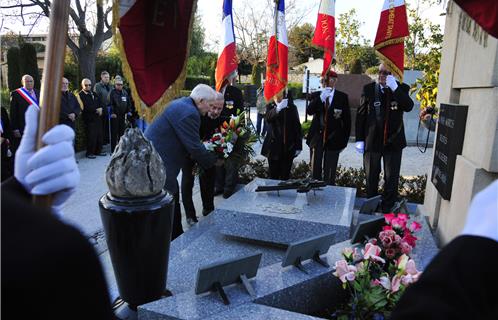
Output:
x,y
368,12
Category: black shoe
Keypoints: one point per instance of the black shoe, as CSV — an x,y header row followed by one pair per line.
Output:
x,y
192,221
90,156
102,154
227,194
217,192
205,212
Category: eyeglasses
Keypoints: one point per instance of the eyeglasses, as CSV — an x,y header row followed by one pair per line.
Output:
x,y
88,84
384,72
119,84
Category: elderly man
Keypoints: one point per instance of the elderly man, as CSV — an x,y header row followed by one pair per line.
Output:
x,y
92,116
103,90
330,128
70,108
120,107
380,133
20,100
175,135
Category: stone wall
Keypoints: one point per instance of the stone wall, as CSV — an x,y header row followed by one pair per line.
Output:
x,y
469,76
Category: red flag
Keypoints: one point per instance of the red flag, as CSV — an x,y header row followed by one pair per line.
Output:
x,y
278,51
227,58
390,38
153,37
324,36
484,12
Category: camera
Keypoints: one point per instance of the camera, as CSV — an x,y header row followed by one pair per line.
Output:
x,y
430,110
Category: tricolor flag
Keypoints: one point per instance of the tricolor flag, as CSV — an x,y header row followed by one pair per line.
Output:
x,y
153,38
324,36
227,57
390,38
277,64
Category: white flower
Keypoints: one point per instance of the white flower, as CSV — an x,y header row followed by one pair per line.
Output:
x,y
229,147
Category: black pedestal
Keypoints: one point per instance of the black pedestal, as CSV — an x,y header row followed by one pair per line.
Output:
x,y
138,235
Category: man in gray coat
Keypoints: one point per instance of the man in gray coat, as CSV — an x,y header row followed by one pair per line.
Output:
x,y
175,135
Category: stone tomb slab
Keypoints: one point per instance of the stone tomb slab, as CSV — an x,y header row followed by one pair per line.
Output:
x,y
286,216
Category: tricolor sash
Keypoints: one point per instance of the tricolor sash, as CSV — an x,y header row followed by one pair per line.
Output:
x,y
26,96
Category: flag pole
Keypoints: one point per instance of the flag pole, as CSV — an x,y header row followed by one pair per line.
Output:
x,y
50,97
276,28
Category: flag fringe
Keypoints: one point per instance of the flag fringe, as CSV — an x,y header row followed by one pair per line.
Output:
x,y
149,113
394,69
389,42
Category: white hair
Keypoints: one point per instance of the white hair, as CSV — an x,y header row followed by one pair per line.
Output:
x,y
203,92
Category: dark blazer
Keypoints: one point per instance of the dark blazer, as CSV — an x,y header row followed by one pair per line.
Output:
x,y
175,135
18,107
338,129
283,124
120,102
367,126
48,263
69,104
460,283
232,94
89,102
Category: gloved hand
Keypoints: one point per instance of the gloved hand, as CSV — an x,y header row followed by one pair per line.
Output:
x,y
325,93
282,105
391,83
297,153
360,147
482,218
50,170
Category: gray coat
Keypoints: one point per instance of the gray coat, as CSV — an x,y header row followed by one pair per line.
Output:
x,y
175,135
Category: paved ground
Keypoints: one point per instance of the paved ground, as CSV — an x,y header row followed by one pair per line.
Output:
x,y
82,208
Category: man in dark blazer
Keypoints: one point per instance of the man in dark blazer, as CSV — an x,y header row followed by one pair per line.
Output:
x,y
330,128
19,103
380,133
92,116
70,108
175,135
284,137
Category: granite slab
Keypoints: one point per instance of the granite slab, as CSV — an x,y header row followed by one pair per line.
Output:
x,y
286,216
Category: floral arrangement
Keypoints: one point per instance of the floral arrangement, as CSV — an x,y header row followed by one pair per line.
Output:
x,y
232,140
377,275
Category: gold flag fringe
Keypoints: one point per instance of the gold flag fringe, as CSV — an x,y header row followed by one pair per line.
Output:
x,y
394,69
149,113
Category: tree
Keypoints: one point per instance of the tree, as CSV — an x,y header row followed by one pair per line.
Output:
x,y
256,75
197,37
28,63
300,47
356,67
88,27
349,41
14,74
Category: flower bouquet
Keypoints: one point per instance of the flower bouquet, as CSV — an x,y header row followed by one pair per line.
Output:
x,y
232,140
377,275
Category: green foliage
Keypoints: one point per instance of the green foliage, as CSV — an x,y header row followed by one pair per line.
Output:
x,y
109,61
185,93
356,67
5,98
297,90
300,43
28,63
197,37
14,73
372,70
192,81
245,67
256,75
80,138
71,72
202,65
349,41
305,127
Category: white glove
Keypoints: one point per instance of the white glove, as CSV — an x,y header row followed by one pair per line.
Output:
x,y
391,83
482,218
50,170
297,153
282,105
360,147
325,93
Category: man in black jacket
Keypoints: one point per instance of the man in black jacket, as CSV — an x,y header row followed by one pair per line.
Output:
x,y
284,138
380,133
330,128
120,107
19,103
92,116
70,109
5,140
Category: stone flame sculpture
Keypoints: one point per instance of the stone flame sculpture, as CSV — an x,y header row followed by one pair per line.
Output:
x,y
136,169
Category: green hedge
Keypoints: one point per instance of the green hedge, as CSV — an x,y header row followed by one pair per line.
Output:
x,y
192,81
297,90
305,127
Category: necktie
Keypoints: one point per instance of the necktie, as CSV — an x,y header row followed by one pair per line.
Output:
x,y
325,118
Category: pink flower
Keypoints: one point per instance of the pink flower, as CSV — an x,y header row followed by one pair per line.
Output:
x,y
398,223
414,226
405,247
388,238
396,283
372,240
344,271
407,279
372,252
375,282
385,282
393,285
403,216
411,268
389,217
390,253
386,228
410,239
347,253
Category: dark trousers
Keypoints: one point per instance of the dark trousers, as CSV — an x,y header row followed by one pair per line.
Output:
x,y
392,164
227,176
260,124
117,129
330,161
206,183
317,161
280,169
7,163
105,125
93,137
177,218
